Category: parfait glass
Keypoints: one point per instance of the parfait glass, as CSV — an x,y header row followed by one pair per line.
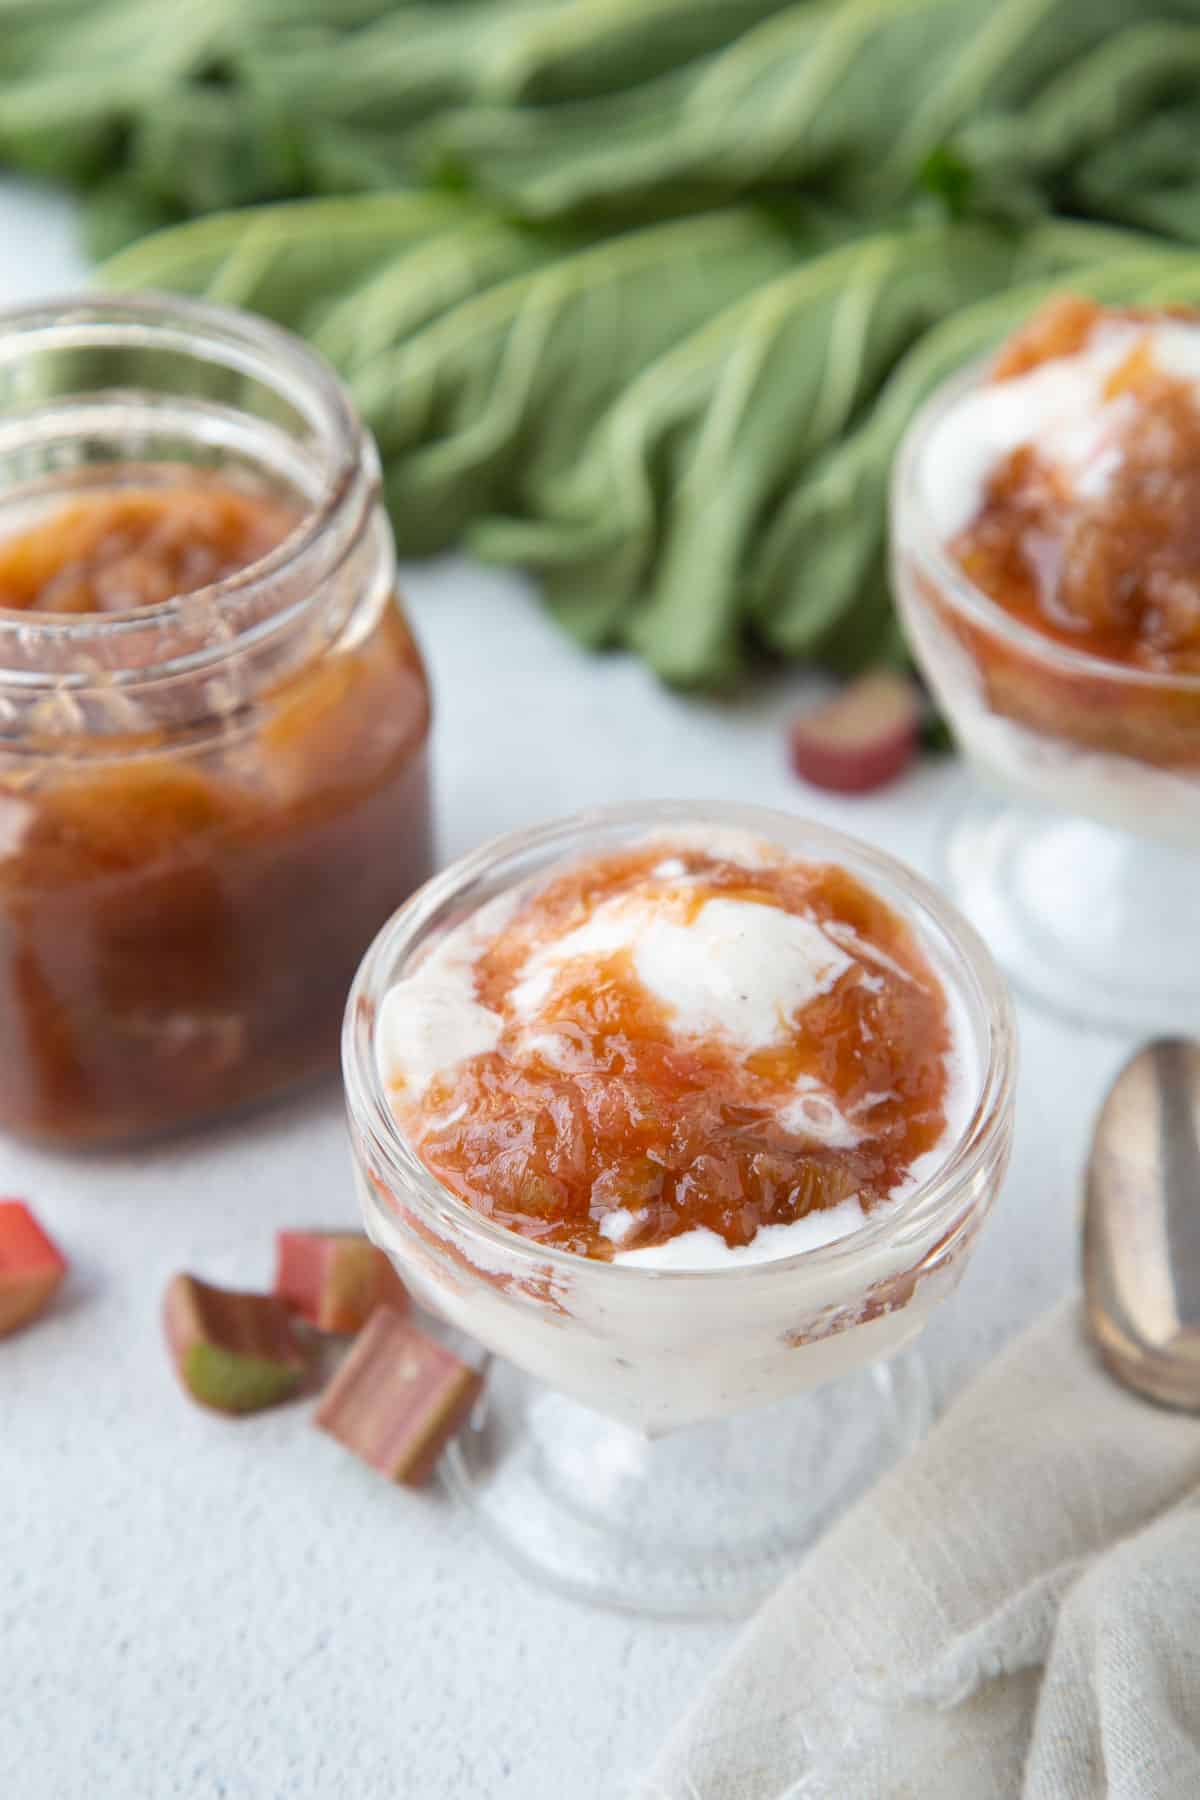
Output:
x,y
1076,851
666,1441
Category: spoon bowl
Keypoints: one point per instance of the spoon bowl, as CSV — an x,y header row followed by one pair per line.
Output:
x,y
1141,1231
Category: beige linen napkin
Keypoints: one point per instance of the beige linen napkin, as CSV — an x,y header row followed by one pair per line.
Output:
x,y
1014,1611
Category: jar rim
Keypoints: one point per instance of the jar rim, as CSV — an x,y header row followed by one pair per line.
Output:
x,y
907,1219
252,346
913,530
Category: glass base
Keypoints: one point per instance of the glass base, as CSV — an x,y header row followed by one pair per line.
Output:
x,y
1094,923
701,1523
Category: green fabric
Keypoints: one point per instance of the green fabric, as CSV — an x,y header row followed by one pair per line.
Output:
x,y
638,294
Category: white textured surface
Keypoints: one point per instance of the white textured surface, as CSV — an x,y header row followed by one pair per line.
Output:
x,y
201,1609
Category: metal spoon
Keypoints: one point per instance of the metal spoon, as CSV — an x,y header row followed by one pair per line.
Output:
x,y
1141,1227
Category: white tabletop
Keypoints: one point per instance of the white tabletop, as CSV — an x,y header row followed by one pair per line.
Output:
x,y
195,1607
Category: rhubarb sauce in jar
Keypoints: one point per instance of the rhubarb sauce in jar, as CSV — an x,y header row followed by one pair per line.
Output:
x,y
213,716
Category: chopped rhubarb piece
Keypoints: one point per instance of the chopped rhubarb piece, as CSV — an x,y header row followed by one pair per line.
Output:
x,y
862,739
31,1266
398,1398
235,1352
335,1279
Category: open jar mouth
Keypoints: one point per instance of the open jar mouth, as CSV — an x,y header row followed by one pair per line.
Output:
x,y
959,955
94,384
913,534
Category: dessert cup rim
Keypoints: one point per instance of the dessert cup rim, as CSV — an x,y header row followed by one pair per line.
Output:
x,y
913,530
931,1201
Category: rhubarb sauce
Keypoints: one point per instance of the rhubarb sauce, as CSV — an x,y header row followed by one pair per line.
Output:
x,y
673,1040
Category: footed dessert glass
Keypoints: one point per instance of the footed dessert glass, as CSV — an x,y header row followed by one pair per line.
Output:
x,y
658,1440
1078,855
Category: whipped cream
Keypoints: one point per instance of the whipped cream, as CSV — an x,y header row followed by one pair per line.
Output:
x,y
736,969
703,1249
433,1021
1059,407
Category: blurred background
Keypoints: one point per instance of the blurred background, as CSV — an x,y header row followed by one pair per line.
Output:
x,y
638,300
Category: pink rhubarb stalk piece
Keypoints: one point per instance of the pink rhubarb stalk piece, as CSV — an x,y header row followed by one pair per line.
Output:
x,y
32,1267
335,1279
398,1398
235,1352
863,738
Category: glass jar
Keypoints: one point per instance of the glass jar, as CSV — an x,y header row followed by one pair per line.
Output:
x,y
209,805
667,1440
